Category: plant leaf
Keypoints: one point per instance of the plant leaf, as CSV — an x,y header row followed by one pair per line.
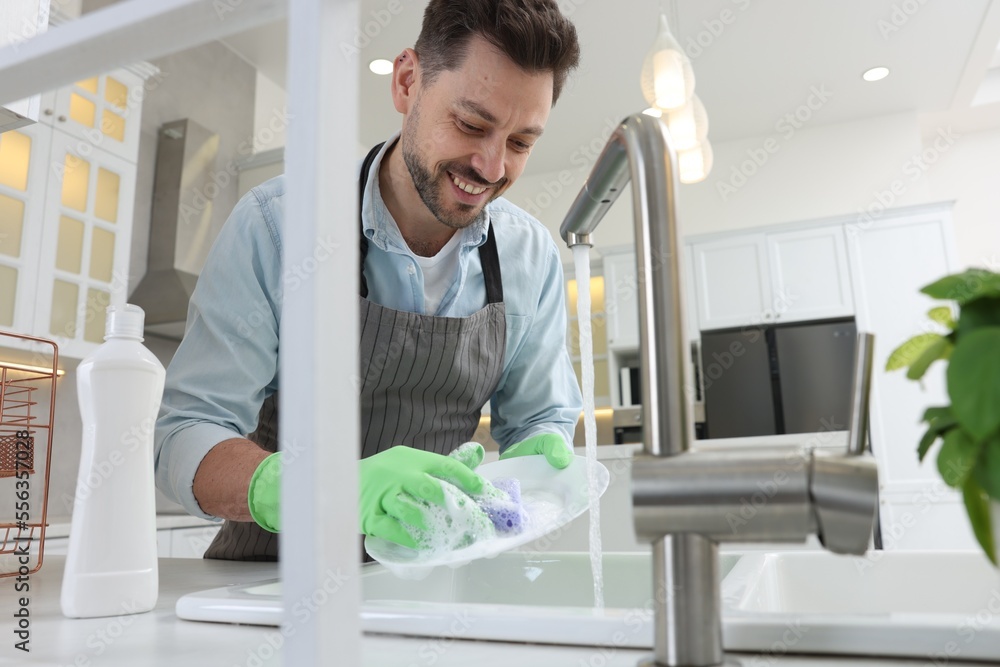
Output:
x,y
930,436
942,315
965,287
910,351
974,382
987,472
935,413
939,349
977,505
957,457
983,312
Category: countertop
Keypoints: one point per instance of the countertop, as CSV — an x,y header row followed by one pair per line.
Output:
x,y
160,638
58,526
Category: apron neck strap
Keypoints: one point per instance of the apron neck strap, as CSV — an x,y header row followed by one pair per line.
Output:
x,y
488,255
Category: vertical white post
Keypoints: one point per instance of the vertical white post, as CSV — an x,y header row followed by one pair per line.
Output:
x,y
319,341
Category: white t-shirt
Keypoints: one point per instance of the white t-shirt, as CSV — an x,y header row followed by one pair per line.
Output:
x,y
439,273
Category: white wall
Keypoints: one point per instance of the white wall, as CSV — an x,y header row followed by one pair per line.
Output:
x,y
969,173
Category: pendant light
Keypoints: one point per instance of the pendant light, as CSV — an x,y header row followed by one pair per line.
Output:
x,y
667,78
695,162
688,124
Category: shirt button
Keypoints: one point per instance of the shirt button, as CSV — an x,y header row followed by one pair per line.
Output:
x,y
411,269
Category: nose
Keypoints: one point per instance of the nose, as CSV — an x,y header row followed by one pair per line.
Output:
x,y
489,160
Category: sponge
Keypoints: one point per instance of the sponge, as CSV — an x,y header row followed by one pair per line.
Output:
x,y
501,500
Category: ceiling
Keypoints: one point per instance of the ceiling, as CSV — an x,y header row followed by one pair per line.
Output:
x,y
754,60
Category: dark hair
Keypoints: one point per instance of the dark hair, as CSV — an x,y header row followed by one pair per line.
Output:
x,y
532,33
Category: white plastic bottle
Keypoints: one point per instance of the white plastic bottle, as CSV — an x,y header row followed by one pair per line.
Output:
x,y
111,563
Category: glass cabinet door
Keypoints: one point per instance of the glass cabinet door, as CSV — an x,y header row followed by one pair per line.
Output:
x,y
24,158
104,111
85,244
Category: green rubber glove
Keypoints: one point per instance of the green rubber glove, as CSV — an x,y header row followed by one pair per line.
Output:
x,y
471,454
265,492
552,446
394,484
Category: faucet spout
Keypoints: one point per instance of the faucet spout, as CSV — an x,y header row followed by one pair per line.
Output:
x,y
639,151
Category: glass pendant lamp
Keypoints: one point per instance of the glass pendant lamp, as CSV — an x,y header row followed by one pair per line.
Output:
x,y
667,78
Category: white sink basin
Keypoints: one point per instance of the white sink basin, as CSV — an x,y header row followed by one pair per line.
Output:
x,y
942,605
522,597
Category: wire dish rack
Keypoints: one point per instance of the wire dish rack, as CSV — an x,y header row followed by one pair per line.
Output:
x,y
27,411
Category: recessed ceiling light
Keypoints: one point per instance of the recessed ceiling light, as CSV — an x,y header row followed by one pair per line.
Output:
x,y
653,111
380,66
875,74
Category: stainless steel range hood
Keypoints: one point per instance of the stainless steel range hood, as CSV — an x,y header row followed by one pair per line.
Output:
x,y
180,227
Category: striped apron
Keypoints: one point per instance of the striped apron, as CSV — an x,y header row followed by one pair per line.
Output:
x,y
424,382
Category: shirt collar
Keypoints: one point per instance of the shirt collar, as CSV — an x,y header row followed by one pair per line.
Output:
x,y
380,228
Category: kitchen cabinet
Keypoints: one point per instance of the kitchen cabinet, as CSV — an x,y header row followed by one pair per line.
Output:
x,y
621,288
21,20
66,201
732,281
780,276
891,259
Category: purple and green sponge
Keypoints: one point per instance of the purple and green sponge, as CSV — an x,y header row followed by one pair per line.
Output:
x,y
501,500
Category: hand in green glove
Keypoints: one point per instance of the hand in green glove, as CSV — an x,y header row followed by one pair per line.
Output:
x,y
264,493
552,446
395,483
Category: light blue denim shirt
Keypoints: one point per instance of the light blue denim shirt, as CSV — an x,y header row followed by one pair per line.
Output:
x,y
227,363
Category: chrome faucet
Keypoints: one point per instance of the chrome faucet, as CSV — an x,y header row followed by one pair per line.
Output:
x,y
686,502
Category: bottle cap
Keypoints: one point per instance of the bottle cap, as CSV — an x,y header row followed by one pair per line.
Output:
x,y
124,322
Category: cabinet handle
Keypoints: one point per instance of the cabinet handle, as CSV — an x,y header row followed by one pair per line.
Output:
x,y
61,119
48,112
767,316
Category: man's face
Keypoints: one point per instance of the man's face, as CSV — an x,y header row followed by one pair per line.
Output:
x,y
467,136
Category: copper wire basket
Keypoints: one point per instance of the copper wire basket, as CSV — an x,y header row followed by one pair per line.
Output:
x,y
27,412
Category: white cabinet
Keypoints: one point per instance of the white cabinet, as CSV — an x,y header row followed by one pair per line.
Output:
x,y
732,282
67,192
621,297
21,21
748,279
810,278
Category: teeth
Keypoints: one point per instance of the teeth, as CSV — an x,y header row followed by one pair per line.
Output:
x,y
467,187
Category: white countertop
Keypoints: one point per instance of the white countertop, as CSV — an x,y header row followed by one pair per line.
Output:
x,y
159,638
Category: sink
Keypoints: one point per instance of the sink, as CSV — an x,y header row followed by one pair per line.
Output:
x,y
516,596
940,605
522,597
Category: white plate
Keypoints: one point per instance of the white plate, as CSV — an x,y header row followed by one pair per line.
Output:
x,y
552,498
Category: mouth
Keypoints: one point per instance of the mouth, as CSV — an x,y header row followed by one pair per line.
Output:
x,y
466,192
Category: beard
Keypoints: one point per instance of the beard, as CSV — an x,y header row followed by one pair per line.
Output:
x,y
431,185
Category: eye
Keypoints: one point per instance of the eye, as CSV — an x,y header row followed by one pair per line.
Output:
x,y
520,146
465,127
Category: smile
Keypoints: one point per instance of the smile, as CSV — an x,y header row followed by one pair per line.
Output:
x,y
467,187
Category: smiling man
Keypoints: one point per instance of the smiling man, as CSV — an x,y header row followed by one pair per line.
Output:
x,y
462,297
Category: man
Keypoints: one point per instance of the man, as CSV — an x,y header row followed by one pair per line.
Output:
x,y
462,297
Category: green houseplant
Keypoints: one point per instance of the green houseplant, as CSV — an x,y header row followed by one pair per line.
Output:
x,y
969,428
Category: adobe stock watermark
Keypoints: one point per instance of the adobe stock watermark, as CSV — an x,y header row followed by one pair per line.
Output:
x,y
912,170
786,127
899,16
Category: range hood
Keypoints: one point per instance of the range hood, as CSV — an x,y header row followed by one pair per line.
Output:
x,y
180,233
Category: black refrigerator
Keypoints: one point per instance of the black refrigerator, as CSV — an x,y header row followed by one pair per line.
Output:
x,y
787,378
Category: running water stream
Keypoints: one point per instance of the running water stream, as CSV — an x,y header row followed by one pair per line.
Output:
x,y
581,258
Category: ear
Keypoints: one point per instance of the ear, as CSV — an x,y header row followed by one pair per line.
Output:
x,y
405,73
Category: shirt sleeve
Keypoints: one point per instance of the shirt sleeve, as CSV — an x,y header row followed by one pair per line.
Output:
x,y
538,391
228,361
